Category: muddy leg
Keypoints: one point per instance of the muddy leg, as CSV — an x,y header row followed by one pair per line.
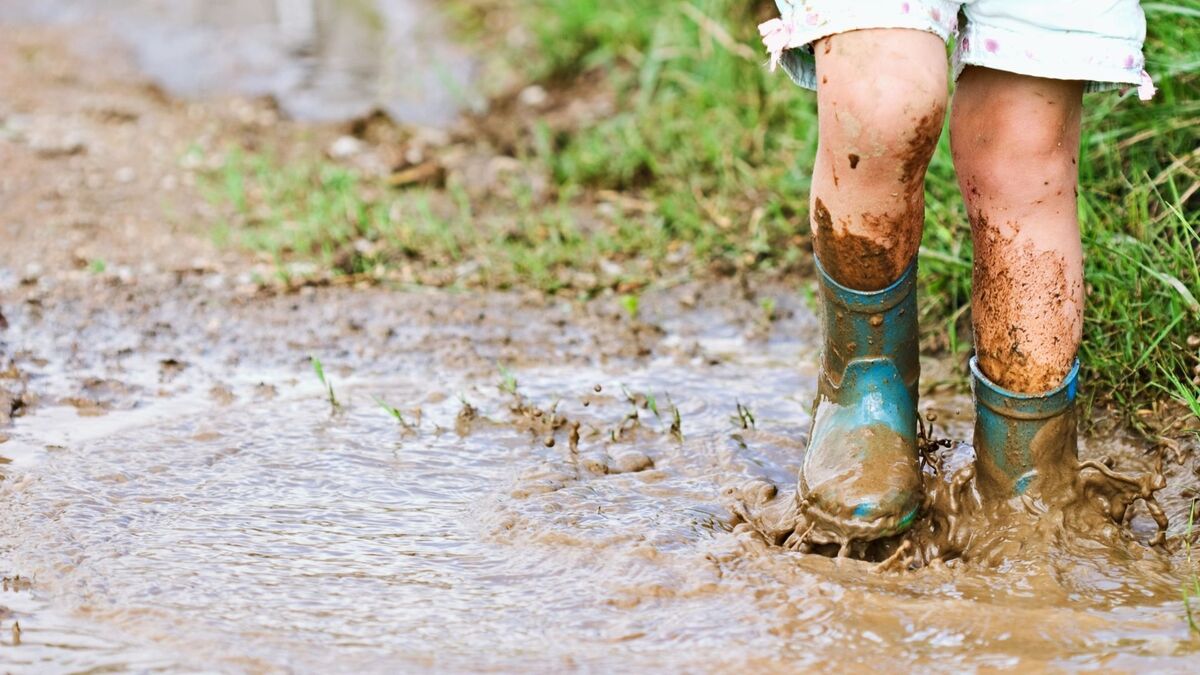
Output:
x,y
881,97
1015,141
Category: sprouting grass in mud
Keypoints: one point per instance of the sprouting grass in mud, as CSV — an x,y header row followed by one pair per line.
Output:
x,y
395,413
319,369
676,429
652,405
632,305
744,418
508,381
768,309
467,414
699,163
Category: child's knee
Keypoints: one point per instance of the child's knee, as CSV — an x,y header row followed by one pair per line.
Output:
x,y
884,129
1013,154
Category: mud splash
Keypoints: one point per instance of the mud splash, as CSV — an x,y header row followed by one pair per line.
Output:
x,y
966,518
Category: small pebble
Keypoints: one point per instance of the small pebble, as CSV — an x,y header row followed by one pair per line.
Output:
x,y
533,96
346,146
632,461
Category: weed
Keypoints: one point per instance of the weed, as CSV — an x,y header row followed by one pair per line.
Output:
x,y
631,305
676,421
466,417
97,266
634,404
508,381
1182,390
744,418
768,309
394,412
328,384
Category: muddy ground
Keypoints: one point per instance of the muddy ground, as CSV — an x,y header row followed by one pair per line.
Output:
x,y
179,492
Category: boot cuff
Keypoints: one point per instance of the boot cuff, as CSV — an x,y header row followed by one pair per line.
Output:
x,y
870,302
1023,406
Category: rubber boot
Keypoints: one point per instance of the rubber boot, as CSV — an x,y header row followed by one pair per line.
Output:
x,y
860,479
1024,443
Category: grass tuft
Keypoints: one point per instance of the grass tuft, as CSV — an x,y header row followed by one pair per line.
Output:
x,y
394,412
319,369
508,381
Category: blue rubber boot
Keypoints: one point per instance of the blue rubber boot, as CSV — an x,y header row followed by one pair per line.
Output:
x,y
860,479
1024,443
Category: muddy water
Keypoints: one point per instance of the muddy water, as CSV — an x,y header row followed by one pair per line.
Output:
x,y
218,514
319,59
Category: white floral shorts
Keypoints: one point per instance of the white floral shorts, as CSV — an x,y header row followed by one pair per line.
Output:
x,y
1099,41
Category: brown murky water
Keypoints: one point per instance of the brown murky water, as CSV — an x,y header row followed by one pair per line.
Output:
x,y
208,509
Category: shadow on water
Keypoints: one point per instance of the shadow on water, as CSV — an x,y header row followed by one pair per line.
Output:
x,y
319,59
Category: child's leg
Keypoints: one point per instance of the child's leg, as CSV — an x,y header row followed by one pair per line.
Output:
x,y
1015,140
881,96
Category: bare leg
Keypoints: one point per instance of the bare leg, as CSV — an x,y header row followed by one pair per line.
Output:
x,y
1015,140
881,96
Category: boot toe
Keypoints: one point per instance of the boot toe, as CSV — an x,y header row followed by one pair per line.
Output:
x,y
864,487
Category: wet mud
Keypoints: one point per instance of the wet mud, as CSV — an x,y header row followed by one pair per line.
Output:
x,y
506,481
593,507
1075,506
919,151
854,260
1023,346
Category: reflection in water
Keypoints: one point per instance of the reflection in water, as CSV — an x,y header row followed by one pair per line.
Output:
x,y
320,59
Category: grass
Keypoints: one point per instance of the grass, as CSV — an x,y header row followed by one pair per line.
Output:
x,y
508,381
393,411
702,166
319,369
744,418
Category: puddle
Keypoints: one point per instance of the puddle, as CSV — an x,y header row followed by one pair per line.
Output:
x,y
319,59
273,533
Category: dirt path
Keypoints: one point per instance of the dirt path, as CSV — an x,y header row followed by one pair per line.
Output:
x,y
179,492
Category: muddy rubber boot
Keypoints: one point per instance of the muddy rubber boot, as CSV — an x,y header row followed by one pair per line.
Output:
x,y
860,479
1023,442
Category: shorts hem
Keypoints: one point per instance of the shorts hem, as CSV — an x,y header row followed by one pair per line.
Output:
x,y
931,16
1104,63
